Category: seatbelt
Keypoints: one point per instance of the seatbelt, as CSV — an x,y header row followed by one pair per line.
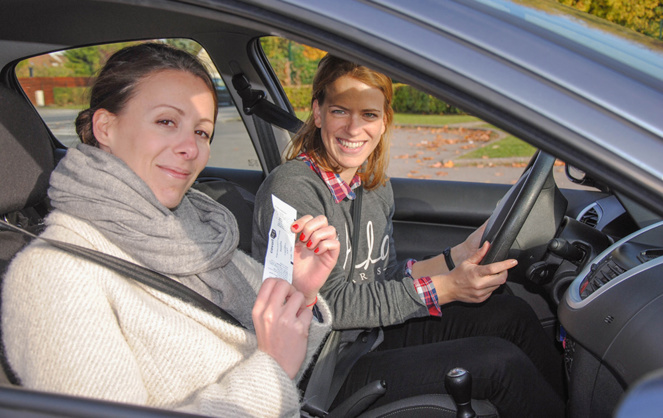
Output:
x,y
255,103
141,274
331,369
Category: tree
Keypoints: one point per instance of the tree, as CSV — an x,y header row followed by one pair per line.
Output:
x,y
644,16
87,61
293,63
188,45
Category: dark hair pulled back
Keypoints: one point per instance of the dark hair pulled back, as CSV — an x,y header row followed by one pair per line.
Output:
x,y
122,73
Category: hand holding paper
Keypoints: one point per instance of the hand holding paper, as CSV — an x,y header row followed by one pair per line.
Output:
x,y
303,252
316,251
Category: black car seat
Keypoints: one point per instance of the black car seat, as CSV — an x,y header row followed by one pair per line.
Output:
x,y
238,200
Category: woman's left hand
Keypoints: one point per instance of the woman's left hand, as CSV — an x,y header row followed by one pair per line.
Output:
x,y
316,251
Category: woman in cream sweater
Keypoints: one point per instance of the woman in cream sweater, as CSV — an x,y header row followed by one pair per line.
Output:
x,y
72,326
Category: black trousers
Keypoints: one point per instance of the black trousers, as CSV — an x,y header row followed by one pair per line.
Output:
x,y
513,363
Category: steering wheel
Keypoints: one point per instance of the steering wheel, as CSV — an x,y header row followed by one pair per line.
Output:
x,y
515,207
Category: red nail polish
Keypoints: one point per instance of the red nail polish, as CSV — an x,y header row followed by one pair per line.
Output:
x,y
308,244
317,250
295,226
301,236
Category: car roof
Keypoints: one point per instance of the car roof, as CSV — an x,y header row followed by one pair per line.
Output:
x,y
585,90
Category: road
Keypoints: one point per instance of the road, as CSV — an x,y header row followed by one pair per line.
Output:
x,y
417,152
231,146
435,152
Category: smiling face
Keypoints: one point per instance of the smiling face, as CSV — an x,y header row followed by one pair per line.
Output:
x,y
163,133
351,121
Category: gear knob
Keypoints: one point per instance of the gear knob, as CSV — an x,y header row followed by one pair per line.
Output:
x,y
458,382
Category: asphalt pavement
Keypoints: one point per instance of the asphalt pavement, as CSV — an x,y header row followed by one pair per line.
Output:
x,y
436,153
423,152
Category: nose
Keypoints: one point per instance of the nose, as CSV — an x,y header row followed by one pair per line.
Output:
x,y
354,124
187,146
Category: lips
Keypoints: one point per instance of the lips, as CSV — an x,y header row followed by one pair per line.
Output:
x,y
175,172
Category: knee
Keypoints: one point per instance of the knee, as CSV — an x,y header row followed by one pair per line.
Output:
x,y
516,309
503,360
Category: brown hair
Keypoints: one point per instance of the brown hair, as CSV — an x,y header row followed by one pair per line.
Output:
x,y
122,73
374,172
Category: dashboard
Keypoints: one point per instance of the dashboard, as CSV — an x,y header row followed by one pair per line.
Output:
x,y
613,308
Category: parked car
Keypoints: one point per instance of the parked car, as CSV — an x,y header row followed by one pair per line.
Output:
x,y
582,90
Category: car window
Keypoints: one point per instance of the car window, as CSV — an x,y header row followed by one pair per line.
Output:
x,y
431,139
57,85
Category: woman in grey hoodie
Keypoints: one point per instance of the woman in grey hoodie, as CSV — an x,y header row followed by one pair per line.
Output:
x,y
434,314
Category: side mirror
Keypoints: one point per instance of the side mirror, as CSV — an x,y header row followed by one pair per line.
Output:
x,y
578,176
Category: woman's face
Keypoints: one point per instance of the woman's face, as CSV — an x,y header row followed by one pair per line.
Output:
x,y
163,133
351,122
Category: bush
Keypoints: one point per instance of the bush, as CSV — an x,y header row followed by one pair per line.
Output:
x,y
70,96
410,100
406,100
300,96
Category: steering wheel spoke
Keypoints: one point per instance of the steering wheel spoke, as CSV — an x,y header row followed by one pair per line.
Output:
x,y
516,207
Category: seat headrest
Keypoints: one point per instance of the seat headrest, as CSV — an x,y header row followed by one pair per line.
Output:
x,y
26,153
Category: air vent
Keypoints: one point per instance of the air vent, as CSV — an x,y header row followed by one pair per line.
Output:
x,y
590,216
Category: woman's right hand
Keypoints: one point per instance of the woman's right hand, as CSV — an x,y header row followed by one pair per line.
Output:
x,y
281,321
471,282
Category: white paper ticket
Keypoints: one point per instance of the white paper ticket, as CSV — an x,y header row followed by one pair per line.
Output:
x,y
281,245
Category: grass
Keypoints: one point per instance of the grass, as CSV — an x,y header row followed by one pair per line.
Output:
x,y
508,147
440,120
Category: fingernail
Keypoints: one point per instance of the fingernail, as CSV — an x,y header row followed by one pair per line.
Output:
x,y
317,250
295,226
301,236
308,244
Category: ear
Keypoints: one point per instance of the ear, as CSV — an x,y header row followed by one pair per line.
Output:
x,y
316,114
102,128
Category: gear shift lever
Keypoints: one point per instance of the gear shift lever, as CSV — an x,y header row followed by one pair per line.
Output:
x,y
458,382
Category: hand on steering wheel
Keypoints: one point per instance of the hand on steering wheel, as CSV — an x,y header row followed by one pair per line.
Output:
x,y
470,281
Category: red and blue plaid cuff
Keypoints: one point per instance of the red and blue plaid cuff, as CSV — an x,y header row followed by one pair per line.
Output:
x,y
425,289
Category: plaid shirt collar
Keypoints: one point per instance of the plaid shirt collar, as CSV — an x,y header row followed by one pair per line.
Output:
x,y
338,188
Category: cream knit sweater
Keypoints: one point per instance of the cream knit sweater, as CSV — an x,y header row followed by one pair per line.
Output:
x,y
72,326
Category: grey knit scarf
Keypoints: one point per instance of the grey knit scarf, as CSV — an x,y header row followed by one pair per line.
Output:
x,y
194,242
